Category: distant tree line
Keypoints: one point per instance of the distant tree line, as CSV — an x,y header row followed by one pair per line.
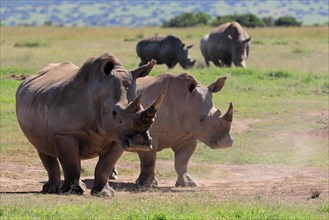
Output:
x,y
190,19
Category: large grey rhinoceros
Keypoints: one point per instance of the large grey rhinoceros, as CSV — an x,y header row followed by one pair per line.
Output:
x,y
70,113
186,115
227,43
168,50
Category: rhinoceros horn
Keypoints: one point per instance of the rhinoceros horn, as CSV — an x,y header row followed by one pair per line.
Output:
x,y
229,114
144,118
134,106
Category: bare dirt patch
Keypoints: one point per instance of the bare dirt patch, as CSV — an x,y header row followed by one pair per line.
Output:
x,y
243,125
223,182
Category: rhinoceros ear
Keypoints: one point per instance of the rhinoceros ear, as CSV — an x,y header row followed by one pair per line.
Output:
x,y
247,40
107,67
218,85
189,46
191,85
143,70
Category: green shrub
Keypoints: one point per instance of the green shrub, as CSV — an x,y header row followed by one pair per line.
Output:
x,y
287,21
246,20
188,19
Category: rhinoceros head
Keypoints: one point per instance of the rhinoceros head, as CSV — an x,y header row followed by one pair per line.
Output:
x,y
207,123
183,58
117,109
239,50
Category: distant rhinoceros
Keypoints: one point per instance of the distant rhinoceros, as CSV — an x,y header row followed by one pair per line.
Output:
x,y
167,50
186,115
70,113
227,43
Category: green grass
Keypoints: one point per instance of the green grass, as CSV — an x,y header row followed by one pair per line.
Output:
x,y
187,205
284,88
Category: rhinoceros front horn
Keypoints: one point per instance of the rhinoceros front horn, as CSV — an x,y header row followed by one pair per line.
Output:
x,y
144,119
229,114
135,105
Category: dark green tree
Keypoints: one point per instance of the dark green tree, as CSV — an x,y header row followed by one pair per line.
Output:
x,y
268,21
188,19
287,21
246,20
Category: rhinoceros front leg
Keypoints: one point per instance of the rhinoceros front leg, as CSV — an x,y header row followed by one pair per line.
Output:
x,y
147,176
54,179
67,148
105,165
183,153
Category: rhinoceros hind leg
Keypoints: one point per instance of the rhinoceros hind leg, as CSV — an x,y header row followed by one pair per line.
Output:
x,y
67,147
78,187
106,192
51,188
143,62
185,181
207,62
146,180
52,167
113,174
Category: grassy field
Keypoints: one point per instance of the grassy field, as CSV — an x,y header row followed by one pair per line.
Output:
x,y
283,92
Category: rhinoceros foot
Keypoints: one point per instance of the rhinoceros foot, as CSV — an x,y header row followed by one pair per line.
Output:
x,y
106,192
52,187
144,180
113,174
185,181
78,187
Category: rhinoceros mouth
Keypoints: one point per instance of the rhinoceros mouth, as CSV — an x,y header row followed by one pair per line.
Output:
x,y
139,142
223,143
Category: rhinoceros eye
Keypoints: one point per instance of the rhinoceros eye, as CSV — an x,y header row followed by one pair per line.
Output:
x,y
202,118
114,113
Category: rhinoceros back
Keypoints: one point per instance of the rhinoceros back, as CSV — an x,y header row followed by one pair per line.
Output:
x,y
37,95
158,48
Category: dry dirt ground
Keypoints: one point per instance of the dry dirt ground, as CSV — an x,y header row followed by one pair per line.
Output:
x,y
222,181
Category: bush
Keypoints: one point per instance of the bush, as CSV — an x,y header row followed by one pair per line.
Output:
x,y
246,20
188,20
287,21
268,21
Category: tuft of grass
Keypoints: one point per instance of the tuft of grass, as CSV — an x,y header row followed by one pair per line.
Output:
x,y
315,193
6,72
279,74
300,51
31,43
257,42
139,36
280,42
